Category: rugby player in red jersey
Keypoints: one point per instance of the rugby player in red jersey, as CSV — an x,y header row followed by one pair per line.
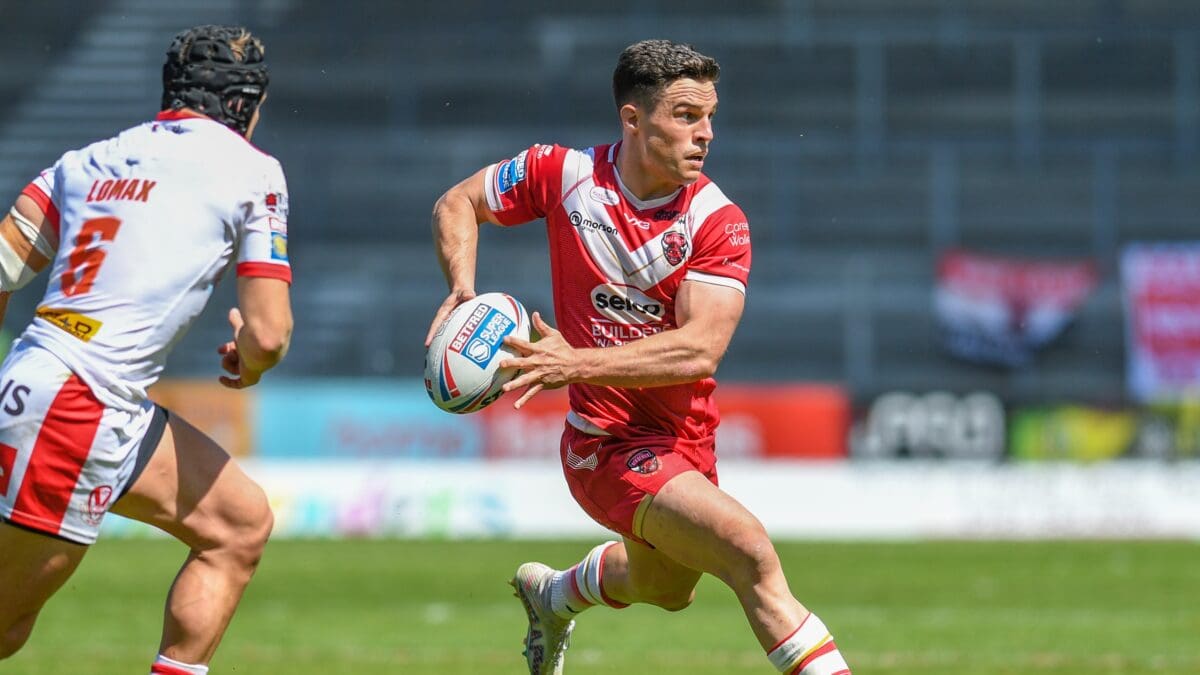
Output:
x,y
649,261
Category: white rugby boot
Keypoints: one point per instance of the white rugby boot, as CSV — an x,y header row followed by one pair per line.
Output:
x,y
549,635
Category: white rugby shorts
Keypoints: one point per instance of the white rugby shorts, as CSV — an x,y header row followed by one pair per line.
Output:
x,y
65,457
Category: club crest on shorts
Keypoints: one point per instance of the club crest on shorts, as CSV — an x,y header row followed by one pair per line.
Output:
x,y
97,503
675,247
643,461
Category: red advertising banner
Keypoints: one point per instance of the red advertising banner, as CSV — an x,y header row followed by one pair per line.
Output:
x,y
1000,311
765,421
1162,302
349,421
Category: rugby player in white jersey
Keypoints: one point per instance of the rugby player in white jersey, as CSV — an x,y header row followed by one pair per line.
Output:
x,y
135,231
649,261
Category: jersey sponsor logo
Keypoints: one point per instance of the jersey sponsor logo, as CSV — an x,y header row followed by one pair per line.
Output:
x,y
605,196
675,247
739,233
584,223
12,397
135,189
643,461
482,335
510,172
79,325
279,246
735,265
666,214
97,504
611,333
625,304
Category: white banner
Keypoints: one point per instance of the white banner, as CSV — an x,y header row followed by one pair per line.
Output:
x,y
795,500
1162,308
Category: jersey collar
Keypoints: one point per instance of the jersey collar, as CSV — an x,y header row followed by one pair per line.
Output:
x,y
173,115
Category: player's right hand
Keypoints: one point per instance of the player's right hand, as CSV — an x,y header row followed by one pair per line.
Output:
x,y
453,300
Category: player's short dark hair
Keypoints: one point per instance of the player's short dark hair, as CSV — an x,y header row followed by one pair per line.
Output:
x,y
218,71
645,68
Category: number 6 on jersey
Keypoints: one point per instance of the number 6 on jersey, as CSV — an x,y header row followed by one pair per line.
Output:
x,y
85,259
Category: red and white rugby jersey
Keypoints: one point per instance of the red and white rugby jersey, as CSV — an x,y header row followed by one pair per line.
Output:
x,y
617,263
148,222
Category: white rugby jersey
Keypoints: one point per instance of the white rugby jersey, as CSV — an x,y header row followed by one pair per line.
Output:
x,y
617,263
148,222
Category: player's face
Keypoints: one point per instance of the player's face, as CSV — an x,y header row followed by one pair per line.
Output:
x,y
679,130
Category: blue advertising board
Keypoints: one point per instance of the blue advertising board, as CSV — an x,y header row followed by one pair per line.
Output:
x,y
359,419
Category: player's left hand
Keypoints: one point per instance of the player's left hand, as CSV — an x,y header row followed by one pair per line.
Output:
x,y
231,361
545,364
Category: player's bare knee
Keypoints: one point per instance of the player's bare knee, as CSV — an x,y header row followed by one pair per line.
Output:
x,y
752,558
664,593
672,600
243,533
254,530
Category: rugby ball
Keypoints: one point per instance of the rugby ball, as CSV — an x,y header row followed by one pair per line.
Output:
x,y
462,364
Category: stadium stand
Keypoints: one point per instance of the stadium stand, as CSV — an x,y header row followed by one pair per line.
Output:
x,y
860,140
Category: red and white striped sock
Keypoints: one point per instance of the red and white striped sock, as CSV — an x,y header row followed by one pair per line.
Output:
x,y
165,666
578,588
809,650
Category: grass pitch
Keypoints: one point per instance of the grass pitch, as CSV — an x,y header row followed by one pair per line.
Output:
x,y
432,607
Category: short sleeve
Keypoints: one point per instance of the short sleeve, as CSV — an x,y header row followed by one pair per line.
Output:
x,y
722,249
527,186
263,234
41,191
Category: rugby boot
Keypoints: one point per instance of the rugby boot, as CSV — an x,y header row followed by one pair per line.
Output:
x,y
549,635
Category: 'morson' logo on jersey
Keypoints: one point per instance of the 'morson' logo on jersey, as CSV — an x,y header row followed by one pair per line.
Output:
x,y
584,223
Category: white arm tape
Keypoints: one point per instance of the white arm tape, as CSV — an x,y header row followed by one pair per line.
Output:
x,y
33,233
14,272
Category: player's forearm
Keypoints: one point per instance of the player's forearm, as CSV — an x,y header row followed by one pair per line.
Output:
x,y
456,240
670,357
4,295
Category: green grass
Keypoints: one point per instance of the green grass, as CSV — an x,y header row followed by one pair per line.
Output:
x,y
443,607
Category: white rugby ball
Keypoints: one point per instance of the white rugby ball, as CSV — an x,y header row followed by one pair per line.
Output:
x,y
462,364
